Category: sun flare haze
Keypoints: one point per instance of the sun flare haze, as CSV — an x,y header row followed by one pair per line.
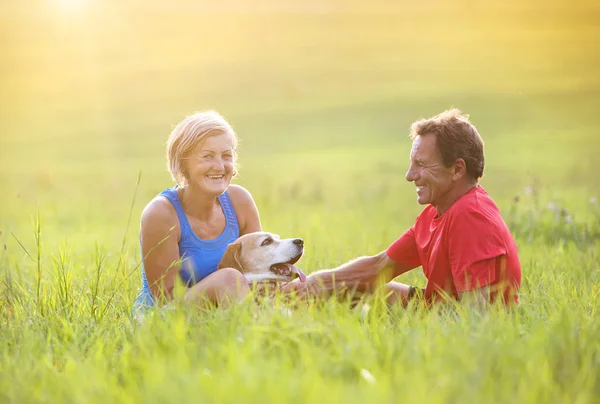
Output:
x,y
69,7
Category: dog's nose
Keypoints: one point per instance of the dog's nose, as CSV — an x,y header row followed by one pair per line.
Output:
x,y
299,241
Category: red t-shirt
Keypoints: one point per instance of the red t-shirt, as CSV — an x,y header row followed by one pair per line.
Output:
x,y
466,248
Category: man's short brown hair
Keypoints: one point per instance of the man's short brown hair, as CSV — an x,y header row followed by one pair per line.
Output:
x,y
456,138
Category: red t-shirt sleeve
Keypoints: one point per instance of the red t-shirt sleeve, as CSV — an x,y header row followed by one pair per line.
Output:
x,y
404,249
474,243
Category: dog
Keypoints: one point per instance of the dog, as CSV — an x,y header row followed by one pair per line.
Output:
x,y
264,258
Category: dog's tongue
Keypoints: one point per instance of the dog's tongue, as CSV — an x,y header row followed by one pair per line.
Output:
x,y
299,272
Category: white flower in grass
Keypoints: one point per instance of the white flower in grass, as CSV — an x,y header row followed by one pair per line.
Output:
x,y
528,190
553,206
593,200
364,310
369,378
569,219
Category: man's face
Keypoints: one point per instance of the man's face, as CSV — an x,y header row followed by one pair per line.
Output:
x,y
433,179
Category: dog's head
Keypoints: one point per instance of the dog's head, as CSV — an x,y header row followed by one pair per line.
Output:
x,y
264,257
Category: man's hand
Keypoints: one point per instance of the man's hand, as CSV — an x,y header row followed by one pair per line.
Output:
x,y
300,289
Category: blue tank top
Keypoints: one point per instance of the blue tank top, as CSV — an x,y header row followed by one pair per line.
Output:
x,y
199,257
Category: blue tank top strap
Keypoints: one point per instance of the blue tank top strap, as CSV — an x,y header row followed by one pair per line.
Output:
x,y
227,207
224,199
172,195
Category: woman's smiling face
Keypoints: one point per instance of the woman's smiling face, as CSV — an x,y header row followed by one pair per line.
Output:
x,y
210,166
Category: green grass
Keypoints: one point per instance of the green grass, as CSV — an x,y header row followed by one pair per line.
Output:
x,y
322,102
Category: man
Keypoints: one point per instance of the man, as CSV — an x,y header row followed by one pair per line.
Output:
x,y
460,239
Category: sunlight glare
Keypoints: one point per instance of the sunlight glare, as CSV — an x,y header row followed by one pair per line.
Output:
x,y
70,6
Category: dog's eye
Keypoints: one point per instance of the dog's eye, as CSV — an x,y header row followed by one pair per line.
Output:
x,y
266,241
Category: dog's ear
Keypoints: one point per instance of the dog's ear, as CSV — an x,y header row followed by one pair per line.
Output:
x,y
231,258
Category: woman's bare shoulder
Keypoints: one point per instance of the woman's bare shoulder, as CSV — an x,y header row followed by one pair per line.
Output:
x,y
245,209
239,194
159,212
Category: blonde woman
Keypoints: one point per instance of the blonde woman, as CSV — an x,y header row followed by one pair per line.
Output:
x,y
186,229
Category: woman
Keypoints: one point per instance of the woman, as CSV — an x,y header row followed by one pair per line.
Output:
x,y
186,229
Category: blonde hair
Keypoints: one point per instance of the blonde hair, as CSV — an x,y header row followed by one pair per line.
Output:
x,y
456,137
189,134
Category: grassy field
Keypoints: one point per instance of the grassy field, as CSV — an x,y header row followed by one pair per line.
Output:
x,y
322,95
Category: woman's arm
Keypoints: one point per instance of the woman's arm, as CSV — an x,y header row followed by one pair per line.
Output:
x,y
245,209
159,235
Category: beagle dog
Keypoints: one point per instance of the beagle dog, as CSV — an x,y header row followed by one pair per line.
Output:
x,y
264,257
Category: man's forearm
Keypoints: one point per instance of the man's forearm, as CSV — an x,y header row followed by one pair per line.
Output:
x,y
362,274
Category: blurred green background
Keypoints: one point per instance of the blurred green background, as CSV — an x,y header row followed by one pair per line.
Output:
x,y
321,94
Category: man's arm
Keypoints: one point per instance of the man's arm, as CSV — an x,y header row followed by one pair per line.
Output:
x,y
483,273
363,274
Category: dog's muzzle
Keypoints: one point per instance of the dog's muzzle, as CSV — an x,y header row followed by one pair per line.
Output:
x,y
288,269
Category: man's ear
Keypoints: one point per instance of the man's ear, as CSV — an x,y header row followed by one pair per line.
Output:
x,y
231,258
459,169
